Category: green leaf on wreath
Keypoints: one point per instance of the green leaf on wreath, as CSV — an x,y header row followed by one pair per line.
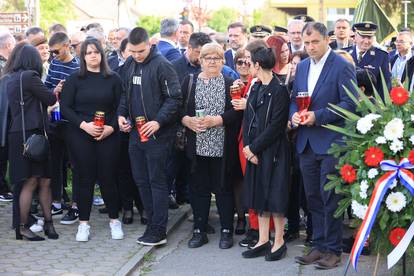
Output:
x,y
387,97
343,131
343,204
384,220
347,115
366,100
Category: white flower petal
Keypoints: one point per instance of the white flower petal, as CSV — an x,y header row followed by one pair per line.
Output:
x,y
396,201
394,129
372,173
381,140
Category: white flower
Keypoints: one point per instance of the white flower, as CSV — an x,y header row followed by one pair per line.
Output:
x,y
396,201
394,129
363,189
396,146
366,123
358,209
372,173
381,140
394,184
412,118
412,139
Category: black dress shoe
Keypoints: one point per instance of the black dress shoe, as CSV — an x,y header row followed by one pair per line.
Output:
x,y
277,255
226,239
128,217
251,238
210,229
50,231
172,203
241,226
291,236
198,239
258,251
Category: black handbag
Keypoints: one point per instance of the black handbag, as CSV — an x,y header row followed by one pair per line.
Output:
x,y
36,147
180,137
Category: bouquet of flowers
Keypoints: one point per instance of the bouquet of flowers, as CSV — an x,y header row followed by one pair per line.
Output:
x,y
375,163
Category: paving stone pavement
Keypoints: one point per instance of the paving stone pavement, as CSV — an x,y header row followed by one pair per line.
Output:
x,y
66,257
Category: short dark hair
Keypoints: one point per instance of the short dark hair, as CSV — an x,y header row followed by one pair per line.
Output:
x,y
123,45
237,25
24,57
57,28
34,31
315,26
104,64
187,22
366,79
199,39
253,45
301,54
137,36
58,38
265,57
94,25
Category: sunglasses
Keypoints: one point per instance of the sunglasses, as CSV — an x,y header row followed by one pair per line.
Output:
x,y
241,62
54,52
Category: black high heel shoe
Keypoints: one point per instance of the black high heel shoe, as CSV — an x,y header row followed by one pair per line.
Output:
x,y
128,217
277,255
50,231
24,232
261,250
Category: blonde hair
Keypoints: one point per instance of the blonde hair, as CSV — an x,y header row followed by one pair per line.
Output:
x,y
346,56
212,49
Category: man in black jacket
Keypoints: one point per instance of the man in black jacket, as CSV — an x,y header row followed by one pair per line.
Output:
x,y
152,90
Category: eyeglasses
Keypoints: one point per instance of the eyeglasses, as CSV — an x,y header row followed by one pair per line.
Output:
x,y
212,59
74,45
241,62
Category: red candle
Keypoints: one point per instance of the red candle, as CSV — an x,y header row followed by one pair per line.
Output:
x,y
303,102
99,119
139,122
235,92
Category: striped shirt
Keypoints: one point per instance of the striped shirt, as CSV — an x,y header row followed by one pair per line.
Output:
x,y
59,71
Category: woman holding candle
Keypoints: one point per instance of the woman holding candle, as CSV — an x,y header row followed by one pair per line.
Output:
x,y
211,145
267,151
89,102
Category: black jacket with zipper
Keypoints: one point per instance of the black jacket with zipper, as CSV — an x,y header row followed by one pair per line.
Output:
x,y
160,92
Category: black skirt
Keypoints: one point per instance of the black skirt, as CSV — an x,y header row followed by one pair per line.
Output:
x,y
21,168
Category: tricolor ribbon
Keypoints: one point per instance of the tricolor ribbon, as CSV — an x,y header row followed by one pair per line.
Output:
x,y
406,178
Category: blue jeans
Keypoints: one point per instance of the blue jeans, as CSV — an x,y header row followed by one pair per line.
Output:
x,y
148,164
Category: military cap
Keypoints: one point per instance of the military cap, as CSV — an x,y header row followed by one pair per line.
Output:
x,y
365,28
279,29
260,31
305,18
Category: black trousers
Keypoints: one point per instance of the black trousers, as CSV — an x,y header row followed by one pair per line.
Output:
x,y
4,188
95,161
206,180
149,163
57,150
128,190
327,230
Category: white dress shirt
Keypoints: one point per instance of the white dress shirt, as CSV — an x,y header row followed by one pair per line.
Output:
x,y
315,70
399,65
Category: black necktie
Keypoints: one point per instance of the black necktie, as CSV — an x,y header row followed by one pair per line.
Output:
x,y
182,51
360,54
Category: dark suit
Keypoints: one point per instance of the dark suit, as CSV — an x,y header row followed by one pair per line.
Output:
x,y
375,60
168,51
228,56
408,72
313,143
334,45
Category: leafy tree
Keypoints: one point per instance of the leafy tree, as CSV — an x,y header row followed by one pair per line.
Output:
x,y
150,23
56,11
222,17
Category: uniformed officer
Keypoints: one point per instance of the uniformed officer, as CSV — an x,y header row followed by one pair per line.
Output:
x,y
367,56
259,32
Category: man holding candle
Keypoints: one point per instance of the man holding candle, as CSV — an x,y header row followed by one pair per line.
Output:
x,y
323,76
153,92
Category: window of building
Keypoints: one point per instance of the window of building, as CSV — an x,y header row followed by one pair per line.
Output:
x,y
334,14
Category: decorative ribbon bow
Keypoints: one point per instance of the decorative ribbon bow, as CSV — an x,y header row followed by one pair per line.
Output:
x,y
381,187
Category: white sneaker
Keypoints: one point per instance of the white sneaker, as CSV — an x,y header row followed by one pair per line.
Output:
x,y
37,227
83,232
116,230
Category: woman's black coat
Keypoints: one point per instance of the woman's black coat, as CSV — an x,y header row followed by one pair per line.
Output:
x,y
232,123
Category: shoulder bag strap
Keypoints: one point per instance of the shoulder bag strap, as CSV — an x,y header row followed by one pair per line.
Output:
x,y
190,86
43,120
22,108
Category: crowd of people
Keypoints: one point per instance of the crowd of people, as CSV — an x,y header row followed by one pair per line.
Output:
x,y
161,122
